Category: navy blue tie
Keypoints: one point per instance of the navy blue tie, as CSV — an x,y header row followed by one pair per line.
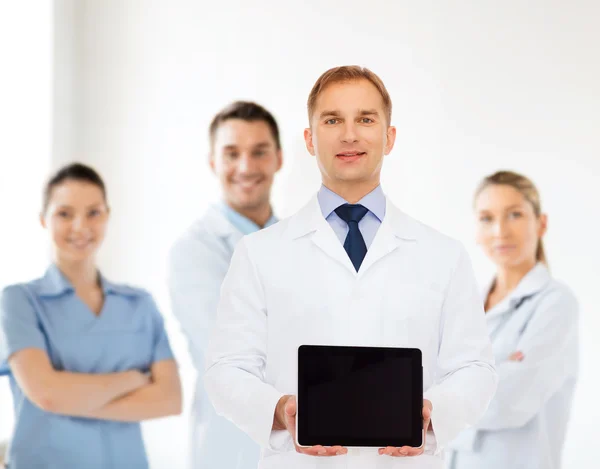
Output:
x,y
354,244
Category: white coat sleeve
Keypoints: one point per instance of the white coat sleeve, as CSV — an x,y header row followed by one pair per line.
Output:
x,y
195,273
526,386
237,352
465,378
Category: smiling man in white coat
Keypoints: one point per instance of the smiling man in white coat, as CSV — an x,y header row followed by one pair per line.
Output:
x,y
348,269
245,155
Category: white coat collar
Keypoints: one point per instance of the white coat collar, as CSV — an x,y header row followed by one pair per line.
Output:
x,y
395,228
218,224
534,281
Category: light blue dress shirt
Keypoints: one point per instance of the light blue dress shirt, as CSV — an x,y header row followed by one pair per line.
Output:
x,y
243,224
374,201
127,335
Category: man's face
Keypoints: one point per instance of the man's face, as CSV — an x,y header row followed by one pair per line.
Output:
x,y
349,133
245,158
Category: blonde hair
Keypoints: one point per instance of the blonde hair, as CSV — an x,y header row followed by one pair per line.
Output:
x,y
345,74
527,189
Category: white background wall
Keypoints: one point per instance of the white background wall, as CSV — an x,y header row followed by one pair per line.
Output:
x,y
477,86
25,147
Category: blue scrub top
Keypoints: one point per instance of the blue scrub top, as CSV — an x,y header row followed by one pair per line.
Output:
x,y
127,335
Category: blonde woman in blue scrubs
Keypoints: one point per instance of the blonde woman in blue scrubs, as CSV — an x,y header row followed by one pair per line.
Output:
x,y
532,320
89,359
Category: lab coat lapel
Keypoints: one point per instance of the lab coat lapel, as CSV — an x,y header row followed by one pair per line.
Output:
x,y
309,221
222,227
395,230
326,239
534,281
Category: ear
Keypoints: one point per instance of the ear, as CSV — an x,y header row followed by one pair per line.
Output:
x,y
279,159
391,139
211,162
43,221
308,139
543,225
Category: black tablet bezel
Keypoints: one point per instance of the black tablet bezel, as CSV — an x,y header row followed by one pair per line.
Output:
x,y
416,439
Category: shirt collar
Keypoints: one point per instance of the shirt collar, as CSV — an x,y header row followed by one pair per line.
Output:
x,y
533,282
374,201
55,283
242,223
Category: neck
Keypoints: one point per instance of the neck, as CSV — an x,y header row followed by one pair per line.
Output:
x,y
352,191
259,215
81,274
507,278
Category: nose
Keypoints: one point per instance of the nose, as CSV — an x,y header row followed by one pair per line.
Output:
x,y
245,163
349,134
501,228
80,224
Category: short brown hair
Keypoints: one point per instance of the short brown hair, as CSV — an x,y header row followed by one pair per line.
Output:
x,y
247,111
526,188
345,74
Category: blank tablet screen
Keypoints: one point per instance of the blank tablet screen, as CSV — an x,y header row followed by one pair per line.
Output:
x,y
359,396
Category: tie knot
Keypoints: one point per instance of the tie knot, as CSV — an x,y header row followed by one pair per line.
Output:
x,y
349,212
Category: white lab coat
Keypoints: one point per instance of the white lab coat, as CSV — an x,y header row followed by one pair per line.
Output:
x,y
294,284
198,263
525,425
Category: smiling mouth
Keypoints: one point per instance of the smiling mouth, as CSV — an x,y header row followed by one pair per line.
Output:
x,y
248,184
81,244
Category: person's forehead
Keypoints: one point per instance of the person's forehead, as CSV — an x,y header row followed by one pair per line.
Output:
x,y
240,132
499,197
355,95
75,191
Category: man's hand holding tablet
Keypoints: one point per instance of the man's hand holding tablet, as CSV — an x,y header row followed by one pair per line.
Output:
x,y
285,419
409,450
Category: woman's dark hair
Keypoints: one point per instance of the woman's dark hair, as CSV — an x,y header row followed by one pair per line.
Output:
x,y
72,172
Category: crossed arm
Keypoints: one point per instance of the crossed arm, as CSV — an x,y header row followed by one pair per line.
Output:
x,y
128,396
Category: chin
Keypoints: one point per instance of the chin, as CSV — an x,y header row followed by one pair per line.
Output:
x,y
249,203
77,256
508,261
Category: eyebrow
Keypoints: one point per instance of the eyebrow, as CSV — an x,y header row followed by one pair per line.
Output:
x,y
256,145
336,113
263,145
507,208
70,207
369,112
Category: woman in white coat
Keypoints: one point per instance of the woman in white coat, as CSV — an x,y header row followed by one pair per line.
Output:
x,y
533,324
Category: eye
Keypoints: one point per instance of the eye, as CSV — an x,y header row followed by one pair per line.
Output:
x,y
515,215
485,219
331,121
63,214
259,153
231,155
94,213
366,120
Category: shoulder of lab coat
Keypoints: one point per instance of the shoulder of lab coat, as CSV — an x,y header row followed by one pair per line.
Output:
x,y
549,344
197,264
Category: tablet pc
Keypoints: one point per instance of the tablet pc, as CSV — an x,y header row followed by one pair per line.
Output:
x,y
359,396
